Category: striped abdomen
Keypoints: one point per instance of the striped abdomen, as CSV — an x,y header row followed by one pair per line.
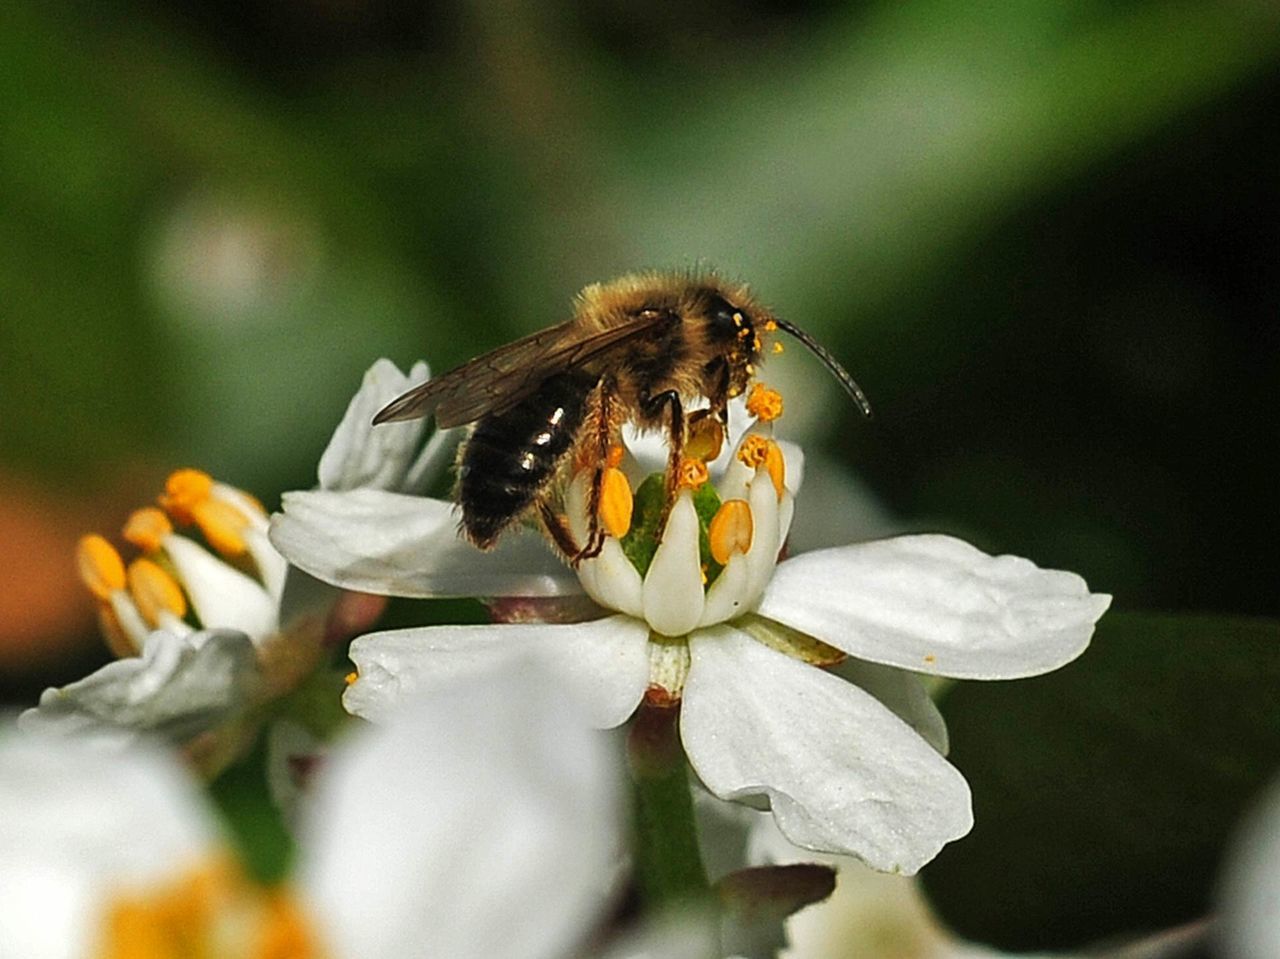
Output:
x,y
511,456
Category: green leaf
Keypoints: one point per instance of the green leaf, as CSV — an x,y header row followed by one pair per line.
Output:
x,y
1103,793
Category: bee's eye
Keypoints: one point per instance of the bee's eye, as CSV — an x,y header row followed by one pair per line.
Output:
x,y
726,320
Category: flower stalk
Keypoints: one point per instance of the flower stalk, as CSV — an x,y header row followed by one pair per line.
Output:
x,y
668,862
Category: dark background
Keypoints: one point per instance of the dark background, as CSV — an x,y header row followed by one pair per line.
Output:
x,y
1043,236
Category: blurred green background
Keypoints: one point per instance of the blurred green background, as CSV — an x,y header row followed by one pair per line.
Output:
x,y
1042,235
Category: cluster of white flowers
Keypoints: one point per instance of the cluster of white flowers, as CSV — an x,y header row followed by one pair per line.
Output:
x,y
483,788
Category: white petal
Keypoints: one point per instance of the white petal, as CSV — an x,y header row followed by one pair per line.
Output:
x,y
178,687
395,545
604,663
673,594
1249,893
762,557
222,596
728,595
842,773
484,822
903,692
935,604
81,825
361,454
612,581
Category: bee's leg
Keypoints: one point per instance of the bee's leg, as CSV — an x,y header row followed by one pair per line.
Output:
x,y
559,532
602,415
675,444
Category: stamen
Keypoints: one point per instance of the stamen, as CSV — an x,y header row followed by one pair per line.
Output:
x,y
757,451
190,496
615,502
155,591
114,634
351,677
692,474
764,403
147,528
100,566
614,457
223,526
731,530
706,437
184,490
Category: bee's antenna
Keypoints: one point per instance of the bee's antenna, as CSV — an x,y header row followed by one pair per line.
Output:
x,y
831,363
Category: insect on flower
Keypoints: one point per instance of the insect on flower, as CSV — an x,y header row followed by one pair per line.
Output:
x,y
639,349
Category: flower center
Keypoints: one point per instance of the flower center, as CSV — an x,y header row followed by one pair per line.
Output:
x,y
703,556
212,910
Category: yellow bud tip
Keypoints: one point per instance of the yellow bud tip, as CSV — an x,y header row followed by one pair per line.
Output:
x,y
731,531
146,528
763,403
184,490
692,474
100,566
615,502
155,591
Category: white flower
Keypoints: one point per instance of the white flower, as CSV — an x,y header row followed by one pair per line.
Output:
x,y
484,823
849,760
1249,893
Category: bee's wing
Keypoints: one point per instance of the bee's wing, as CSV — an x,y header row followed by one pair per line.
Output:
x,y
502,378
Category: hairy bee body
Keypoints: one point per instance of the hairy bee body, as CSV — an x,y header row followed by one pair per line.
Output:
x,y
511,457
638,349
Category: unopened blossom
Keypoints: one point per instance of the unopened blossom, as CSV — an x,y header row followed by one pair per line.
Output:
x,y
115,855
798,681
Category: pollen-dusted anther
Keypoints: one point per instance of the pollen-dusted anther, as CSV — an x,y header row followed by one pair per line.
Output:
x,y
731,530
705,440
692,474
184,490
764,403
100,566
147,528
155,591
615,502
757,451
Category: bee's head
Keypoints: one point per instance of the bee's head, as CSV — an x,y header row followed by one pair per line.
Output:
x,y
733,333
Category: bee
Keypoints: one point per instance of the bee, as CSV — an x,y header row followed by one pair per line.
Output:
x,y
641,348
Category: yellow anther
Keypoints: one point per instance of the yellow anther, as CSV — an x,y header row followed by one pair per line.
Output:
x,y
155,591
184,490
351,677
777,346
692,474
146,528
100,566
615,502
706,437
223,526
614,457
770,326
763,403
757,451
731,530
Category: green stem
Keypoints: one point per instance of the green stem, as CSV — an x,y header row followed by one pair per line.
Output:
x,y
668,862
